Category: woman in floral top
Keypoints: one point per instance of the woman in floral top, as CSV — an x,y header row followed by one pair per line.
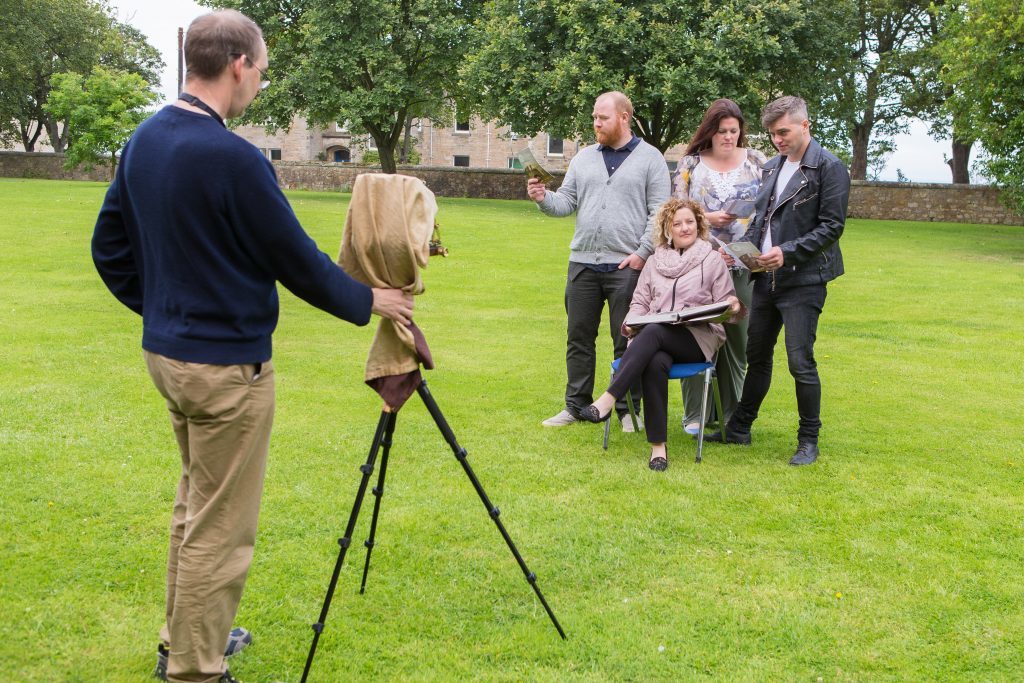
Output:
x,y
717,169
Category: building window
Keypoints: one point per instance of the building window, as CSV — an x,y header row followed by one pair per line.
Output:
x,y
462,126
513,162
461,160
556,146
341,156
371,144
275,155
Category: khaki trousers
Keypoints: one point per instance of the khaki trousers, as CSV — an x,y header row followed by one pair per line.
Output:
x,y
222,416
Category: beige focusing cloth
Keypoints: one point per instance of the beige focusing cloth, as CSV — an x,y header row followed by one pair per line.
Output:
x,y
386,243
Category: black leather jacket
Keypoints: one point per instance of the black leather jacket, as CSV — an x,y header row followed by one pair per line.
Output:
x,y
807,219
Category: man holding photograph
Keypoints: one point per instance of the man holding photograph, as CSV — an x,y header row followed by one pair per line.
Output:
x,y
799,218
615,188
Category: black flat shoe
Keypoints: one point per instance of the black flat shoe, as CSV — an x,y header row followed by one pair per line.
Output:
x,y
658,464
592,414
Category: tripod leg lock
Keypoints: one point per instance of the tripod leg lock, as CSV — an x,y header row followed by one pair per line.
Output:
x,y
531,578
344,541
461,454
368,543
318,627
366,468
495,512
375,491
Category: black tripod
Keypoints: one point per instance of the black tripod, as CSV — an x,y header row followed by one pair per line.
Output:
x,y
385,430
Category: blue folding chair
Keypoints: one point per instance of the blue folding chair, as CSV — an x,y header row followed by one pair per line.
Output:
x,y
682,371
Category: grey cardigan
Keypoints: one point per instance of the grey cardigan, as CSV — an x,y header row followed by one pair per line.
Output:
x,y
614,215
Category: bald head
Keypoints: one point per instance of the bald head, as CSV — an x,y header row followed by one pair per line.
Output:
x,y
216,39
618,100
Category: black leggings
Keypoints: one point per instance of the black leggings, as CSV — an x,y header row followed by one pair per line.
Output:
x,y
649,357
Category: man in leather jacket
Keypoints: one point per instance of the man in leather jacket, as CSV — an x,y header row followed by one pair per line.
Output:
x,y
799,217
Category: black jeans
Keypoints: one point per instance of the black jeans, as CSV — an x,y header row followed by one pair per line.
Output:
x,y
586,291
797,309
649,359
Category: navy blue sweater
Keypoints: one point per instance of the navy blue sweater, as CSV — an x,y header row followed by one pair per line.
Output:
x,y
193,235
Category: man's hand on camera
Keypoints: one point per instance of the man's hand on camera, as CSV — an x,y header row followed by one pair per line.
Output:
x,y
394,304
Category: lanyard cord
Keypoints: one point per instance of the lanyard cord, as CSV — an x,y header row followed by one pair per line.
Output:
x,y
196,102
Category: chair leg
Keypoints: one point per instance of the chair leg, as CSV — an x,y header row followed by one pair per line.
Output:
x,y
703,415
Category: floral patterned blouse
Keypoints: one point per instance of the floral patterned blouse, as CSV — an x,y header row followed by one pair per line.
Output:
x,y
713,190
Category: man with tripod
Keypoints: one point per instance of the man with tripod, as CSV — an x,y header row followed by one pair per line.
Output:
x,y
193,235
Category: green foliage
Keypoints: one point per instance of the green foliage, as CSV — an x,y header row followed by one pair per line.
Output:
x,y
102,111
895,558
868,86
374,63
539,65
39,38
983,53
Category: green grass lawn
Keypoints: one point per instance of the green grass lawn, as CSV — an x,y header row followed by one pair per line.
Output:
x,y
897,557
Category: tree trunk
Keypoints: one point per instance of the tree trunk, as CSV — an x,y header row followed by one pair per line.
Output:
x,y
387,156
57,141
28,138
113,167
959,163
860,139
404,157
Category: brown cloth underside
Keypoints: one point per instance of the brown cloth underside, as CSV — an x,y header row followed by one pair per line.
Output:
x,y
386,243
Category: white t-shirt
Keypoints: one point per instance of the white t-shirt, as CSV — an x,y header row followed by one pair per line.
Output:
x,y
789,168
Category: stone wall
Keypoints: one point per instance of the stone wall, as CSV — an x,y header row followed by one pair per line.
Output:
x,y
45,165
930,202
878,200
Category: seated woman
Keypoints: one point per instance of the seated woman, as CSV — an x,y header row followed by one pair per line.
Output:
x,y
684,271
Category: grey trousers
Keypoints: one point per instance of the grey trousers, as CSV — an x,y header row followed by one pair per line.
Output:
x,y
586,292
731,365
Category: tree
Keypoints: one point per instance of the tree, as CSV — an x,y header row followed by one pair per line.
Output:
x,y
866,103
539,65
982,48
39,38
374,63
929,94
102,111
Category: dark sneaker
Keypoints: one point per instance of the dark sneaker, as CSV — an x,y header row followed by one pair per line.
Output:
x,y
226,677
806,453
731,436
238,640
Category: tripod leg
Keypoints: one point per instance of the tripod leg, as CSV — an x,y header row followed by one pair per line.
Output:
x,y
386,417
378,493
494,512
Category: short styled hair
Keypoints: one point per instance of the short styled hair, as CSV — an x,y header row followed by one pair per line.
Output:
x,y
720,109
622,103
790,105
215,39
667,213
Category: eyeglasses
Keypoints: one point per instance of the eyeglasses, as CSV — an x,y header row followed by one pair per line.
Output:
x,y
263,74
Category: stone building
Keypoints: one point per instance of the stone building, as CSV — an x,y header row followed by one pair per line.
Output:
x,y
470,144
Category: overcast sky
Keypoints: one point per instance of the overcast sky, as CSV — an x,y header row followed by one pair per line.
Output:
x,y
917,155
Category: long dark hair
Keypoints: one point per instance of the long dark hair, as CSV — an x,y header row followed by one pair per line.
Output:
x,y
719,109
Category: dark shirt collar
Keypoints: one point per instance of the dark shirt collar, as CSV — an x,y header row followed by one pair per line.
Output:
x,y
630,146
